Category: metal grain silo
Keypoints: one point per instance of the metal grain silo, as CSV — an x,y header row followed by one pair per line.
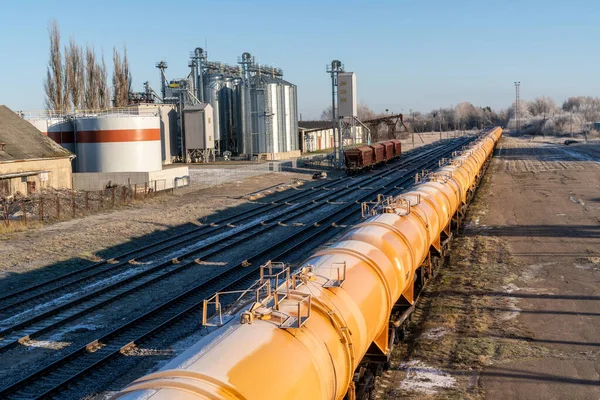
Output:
x,y
118,143
211,95
274,115
226,118
239,116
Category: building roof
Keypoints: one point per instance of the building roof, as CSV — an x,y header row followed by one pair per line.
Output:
x,y
197,107
24,141
315,124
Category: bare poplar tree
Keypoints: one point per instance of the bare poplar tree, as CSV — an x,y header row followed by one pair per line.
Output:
x,y
91,80
103,89
74,75
121,79
54,84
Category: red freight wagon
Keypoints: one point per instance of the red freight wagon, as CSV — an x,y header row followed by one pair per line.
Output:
x,y
397,147
379,152
388,148
358,158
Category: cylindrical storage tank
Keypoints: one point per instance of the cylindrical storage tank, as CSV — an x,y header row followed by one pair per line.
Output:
x,y
226,119
241,104
213,85
58,129
118,143
293,114
62,132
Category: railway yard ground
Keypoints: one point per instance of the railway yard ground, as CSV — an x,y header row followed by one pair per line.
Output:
x,y
97,321
515,312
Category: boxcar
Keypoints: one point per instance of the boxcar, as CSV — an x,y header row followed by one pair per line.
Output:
x,y
378,153
357,158
397,147
388,150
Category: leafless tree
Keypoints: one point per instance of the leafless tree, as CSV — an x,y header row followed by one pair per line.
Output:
x,y
588,106
91,80
54,84
327,114
121,79
364,113
103,89
74,75
542,106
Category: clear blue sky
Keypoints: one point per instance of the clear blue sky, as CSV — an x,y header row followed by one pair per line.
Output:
x,y
415,54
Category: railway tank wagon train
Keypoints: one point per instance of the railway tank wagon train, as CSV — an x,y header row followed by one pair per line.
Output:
x,y
326,331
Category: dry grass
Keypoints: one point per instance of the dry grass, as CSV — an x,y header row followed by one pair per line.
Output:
x,y
16,226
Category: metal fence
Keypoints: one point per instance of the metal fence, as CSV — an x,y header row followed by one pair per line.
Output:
x,y
56,205
65,204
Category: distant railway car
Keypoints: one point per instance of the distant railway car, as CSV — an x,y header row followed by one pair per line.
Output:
x,y
397,147
358,158
388,150
378,153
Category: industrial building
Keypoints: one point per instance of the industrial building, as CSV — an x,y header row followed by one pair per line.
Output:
x,y
319,135
255,111
29,160
117,146
248,111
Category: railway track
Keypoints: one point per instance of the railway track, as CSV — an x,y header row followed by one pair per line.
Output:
x,y
53,378
83,305
28,298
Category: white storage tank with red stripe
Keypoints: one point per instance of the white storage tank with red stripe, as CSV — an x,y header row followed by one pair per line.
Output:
x,y
118,143
58,129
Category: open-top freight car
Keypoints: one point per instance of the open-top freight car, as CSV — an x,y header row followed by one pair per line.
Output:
x,y
397,147
358,158
365,157
388,147
378,153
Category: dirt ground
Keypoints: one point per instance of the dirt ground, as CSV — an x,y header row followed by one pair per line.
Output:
x,y
515,313
72,244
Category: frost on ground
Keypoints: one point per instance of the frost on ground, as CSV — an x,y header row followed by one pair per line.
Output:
x,y
422,378
434,333
17,318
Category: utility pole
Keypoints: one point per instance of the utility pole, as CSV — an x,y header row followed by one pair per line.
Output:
x,y
440,122
412,125
517,101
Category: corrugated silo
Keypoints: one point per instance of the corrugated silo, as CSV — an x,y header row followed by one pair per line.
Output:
x,y
226,119
274,115
239,112
118,143
211,95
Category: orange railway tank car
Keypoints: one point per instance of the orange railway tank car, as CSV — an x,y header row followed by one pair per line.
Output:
x,y
325,332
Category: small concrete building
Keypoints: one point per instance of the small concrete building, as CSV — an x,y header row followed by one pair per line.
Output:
x,y
30,161
318,135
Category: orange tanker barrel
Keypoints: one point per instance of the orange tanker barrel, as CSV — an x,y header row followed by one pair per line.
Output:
x,y
411,231
424,207
460,177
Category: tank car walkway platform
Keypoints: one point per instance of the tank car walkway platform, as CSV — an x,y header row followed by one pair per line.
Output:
x,y
516,313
